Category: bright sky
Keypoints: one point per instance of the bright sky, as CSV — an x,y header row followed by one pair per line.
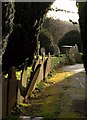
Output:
x,y
68,5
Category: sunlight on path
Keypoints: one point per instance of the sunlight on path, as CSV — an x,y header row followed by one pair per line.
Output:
x,y
60,76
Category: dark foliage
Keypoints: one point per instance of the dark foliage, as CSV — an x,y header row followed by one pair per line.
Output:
x,y
46,41
7,22
22,42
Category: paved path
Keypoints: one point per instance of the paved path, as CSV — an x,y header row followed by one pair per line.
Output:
x,y
77,68
74,68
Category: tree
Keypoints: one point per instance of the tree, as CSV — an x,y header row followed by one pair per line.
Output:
x,y
22,41
46,41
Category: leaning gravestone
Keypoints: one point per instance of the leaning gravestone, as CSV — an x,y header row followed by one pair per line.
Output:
x,y
12,93
36,62
47,66
24,75
35,78
22,84
24,78
4,96
40,75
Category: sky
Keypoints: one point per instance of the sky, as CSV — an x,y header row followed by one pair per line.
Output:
x,y
68,5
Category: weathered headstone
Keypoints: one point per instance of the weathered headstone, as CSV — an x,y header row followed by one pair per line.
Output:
x,y
47,65
36,63
22,85
12,89
4,96
24,76
76,49
42,50
40,75
20,98
56,50
35,78
43,56
74,54
72,50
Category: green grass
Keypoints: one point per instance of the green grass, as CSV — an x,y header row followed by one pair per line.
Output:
x,y
41,85
56,60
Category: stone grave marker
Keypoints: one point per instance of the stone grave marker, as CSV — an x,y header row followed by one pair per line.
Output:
x,y
12,87
47,65
56,50
20,98
35,78
24,76
40,75
42,50
36,63
43,56
76,49
4,96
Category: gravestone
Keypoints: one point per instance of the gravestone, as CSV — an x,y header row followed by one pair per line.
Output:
x,y
42,50
12,89
35,78
24,79
20,98
4,96
72,50
78,56
24,75
56,50
40,75
76,49
36,63
74,54
47,65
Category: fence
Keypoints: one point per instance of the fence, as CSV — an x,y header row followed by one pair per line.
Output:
x,y
17,90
